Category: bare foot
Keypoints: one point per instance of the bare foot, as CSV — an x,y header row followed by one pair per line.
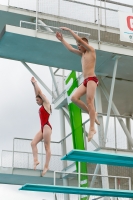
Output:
x,y
35,164
96,120
90,135
45,171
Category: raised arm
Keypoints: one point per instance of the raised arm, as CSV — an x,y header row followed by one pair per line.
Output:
x,y
68,46
79,39
38,90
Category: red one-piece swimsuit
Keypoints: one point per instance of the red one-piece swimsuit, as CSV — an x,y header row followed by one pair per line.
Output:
x,y
44,117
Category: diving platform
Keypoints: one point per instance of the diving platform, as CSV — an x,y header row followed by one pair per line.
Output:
x,y
22,44
99,157
78,191
19,176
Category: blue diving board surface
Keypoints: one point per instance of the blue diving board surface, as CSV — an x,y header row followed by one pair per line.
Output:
x,y
78,190
99,157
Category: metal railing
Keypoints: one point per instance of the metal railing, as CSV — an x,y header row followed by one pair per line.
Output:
x,y
82,11
49,29
101,17
24,160
115,182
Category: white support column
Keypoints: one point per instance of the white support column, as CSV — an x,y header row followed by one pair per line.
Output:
x,y
62,128
105,15
128,124
58,7
99,37
115,134
84,136
8,3
39,80
130,139
63,75
111,96
104,169
98,102
95,11
105,180
100,12
63,148
37,2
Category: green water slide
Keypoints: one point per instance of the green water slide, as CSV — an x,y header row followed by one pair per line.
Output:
x,y
76,126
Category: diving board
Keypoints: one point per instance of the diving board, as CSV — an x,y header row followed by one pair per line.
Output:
x,y
99,157
78,191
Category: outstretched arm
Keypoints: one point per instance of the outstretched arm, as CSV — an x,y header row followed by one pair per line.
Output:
x,y
38,90
79,40
68,46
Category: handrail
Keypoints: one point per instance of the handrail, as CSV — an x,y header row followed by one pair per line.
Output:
x,y
27,152
54,27
117,3
87,4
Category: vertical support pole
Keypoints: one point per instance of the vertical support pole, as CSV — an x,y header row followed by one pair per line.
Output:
x,y
8,3
115,134
95,11
98,103
128,124
54,177
62,127
1,160
130,184
79,178
13,157
85,143
99,38
111,97
115,198
42,155
37,2
105,180
100,12
115,182
58,7
54,194
105,15
104,169
63,82
63,147
28,161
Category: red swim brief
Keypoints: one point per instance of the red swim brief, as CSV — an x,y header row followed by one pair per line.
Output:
x,y
93,78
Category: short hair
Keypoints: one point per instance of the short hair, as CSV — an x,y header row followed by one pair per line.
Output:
x,y
38,96
85,39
